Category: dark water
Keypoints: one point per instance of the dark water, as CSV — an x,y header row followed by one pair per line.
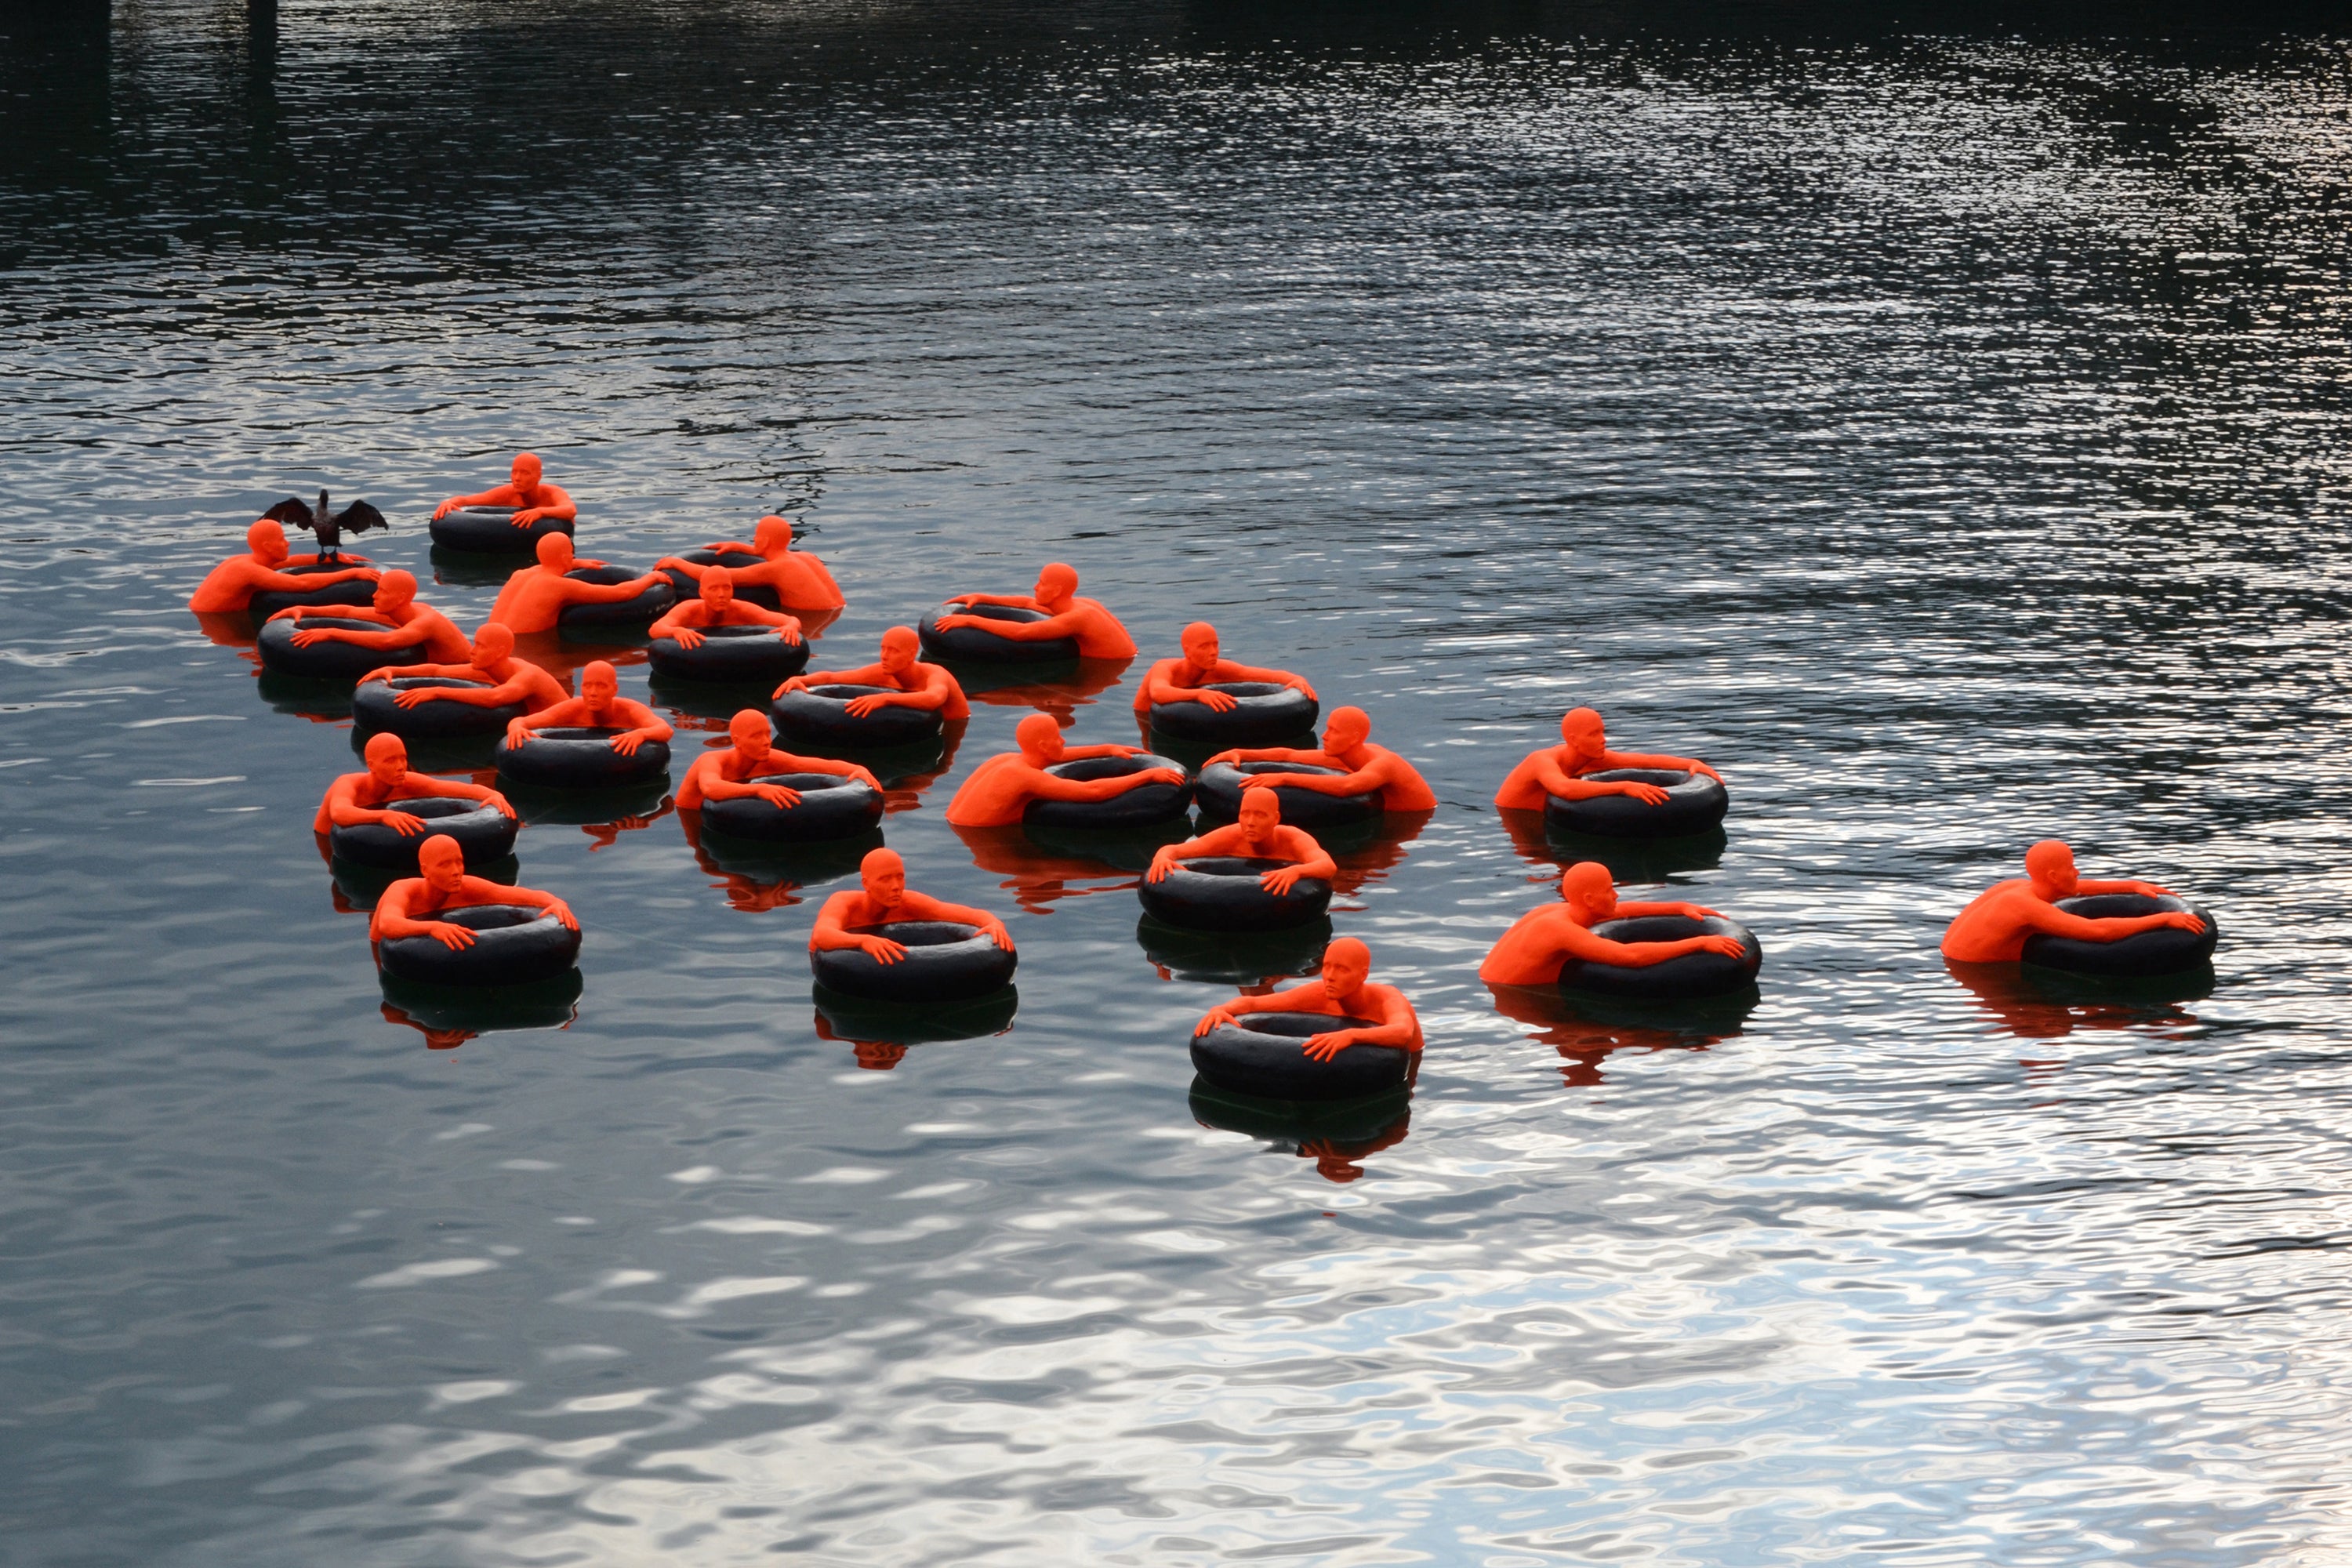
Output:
x,y
1941,430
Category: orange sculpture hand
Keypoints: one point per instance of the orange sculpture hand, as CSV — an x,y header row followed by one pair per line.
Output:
x,y
797,683
687,636
999,935
519,731
777,794
2181,917
1323,1046
884,949
422,694
1281,880
1170,776
446,506
562,911
451,937
790,632
628,740
951,623
863,706
1647,794
1163,862
527,516
1215,1017
1298,683
407,825
1217,702
1729,946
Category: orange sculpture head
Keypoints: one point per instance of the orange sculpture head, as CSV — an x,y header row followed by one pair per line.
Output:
x,y
884,876
387,758
1040,740
1587,886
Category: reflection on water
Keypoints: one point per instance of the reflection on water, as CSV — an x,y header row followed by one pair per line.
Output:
x,y
1939,425
2043,1004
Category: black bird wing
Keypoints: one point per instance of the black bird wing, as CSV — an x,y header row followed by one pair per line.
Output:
x,y
359,517
293,513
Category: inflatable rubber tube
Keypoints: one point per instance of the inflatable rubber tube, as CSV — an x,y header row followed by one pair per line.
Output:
x,y
688,586
819,715
374,712
581,758
490,531
1263,1055
1222,893
351,591
515,944
731,655
1687,978
2168,949
1694,803
896,1024
969,644
641,610
1219,790
832,807
1146,805
484,832
543,1005
1264,715
333,660
946,961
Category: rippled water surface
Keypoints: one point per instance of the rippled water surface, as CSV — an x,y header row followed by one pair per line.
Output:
x,y
1945,435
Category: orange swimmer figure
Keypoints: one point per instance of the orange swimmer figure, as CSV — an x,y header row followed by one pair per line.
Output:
x,y
730,771
1585,749
1993,928
1346,745
1001,786
915,684
1532,952
408,906
718,606
1343,990
1179,679
526,490
355,798
534,596
398,611
599,706
511,680
1098,630
799,579
883,899
1258,835
232,585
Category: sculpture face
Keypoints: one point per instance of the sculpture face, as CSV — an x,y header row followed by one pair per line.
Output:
x,y
387,759
491,644
718,589
1585,734
1201,645
554,552
1056,584
1345,966
884,876
599,684
442,863
898,645
394,589
1260,814
1587,886
1348,728
524,475
748,729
